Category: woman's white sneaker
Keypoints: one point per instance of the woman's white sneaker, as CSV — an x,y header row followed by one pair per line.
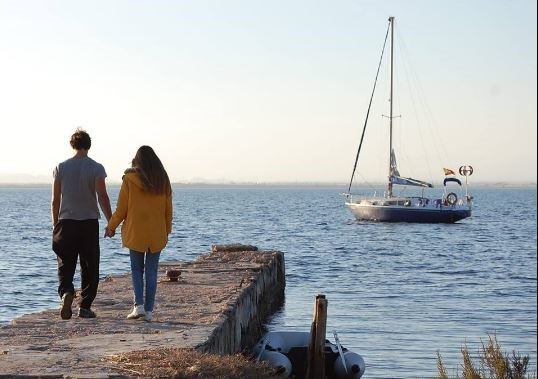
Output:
x,y
138,311
148,316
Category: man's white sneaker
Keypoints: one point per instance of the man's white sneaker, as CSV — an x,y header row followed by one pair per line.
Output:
x,y
148,316
138,311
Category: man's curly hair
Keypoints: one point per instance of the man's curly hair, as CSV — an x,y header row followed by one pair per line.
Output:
x,y
80,140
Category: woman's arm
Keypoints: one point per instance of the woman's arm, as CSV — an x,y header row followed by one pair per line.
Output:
x,y
121,208
169,213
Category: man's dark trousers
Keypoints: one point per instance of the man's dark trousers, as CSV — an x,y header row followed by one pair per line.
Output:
x,y
72,239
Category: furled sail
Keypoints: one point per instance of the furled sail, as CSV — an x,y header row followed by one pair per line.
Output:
x,y
395,177
409,182
393,165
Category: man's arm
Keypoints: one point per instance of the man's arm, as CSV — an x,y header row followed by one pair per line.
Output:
x,y
55,201
102,197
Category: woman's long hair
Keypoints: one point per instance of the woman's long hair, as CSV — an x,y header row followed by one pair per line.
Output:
x,y
151,171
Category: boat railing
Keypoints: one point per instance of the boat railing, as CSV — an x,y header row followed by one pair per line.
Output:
x,y
411,201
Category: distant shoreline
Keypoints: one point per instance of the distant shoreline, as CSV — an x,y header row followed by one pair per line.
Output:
x,y
283,185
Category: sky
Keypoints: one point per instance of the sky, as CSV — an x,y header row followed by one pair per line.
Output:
x,y
270,91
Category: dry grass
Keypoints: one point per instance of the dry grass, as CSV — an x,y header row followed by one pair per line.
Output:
x,y
441,367
188,364
492,363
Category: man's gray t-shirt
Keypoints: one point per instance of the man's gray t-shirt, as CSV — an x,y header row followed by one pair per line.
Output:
x,y
77,177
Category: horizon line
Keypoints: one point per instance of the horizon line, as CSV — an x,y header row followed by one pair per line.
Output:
x,y
514,183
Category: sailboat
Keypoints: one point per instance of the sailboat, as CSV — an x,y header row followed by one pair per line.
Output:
x,y
420,209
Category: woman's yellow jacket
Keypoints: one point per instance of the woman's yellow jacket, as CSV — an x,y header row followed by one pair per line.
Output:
x,y
147,218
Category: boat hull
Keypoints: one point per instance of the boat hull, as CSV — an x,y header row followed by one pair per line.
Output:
x,y
445,215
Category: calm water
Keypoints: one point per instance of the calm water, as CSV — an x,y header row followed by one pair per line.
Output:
x,y
397,292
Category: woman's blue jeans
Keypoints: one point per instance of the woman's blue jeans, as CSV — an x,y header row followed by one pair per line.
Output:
x,y
138,267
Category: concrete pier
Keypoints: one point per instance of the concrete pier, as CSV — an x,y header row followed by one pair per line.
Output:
x,y
218,305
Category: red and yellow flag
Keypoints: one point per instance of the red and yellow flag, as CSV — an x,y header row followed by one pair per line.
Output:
x,y
448,171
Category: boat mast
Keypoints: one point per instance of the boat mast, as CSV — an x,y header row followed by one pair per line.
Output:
x,y
391,21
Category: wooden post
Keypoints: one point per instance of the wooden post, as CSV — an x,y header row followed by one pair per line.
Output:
x,y
316,348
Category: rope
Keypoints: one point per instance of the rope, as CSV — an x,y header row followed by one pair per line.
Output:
x,y
436,138
368,112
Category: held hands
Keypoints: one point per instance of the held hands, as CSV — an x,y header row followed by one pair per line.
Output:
x,y
109,233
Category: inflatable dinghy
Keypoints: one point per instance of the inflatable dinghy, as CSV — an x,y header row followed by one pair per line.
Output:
x,y
288,351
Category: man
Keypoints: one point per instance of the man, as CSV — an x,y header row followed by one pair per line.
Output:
x,y
75,223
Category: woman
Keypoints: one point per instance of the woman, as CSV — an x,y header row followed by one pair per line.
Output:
x,y
145,208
